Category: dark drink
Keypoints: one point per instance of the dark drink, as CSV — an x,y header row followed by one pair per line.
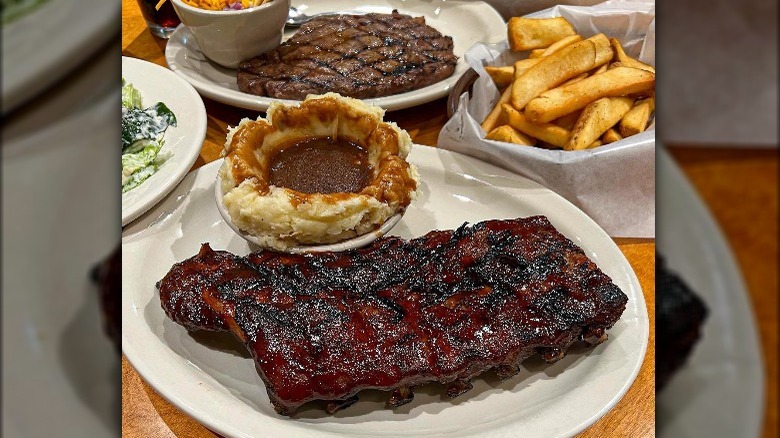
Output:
x,y
161,22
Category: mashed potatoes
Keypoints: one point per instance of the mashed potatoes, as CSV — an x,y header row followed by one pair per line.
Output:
x,y
280,217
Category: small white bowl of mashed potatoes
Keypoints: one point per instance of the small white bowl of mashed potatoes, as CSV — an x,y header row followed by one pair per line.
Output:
x,y
327,174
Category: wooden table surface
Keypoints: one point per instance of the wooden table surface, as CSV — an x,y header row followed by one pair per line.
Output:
x,y
146,414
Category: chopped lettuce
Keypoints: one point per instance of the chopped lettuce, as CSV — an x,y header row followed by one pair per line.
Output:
x,y
131,97
145,124
140,164
142,133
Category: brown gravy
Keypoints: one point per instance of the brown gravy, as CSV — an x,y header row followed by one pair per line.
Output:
x,y
322,165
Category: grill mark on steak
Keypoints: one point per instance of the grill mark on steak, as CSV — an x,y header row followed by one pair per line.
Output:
x,y
360,56
443,307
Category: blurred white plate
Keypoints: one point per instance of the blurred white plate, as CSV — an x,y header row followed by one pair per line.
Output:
x,y
60,218
41,47
184,141
720,390
467,22
217,384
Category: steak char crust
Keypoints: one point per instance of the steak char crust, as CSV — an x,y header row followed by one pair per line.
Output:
x,y
360,56
443,307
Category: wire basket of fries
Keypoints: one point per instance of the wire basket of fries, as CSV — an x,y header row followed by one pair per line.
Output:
x,y
568,101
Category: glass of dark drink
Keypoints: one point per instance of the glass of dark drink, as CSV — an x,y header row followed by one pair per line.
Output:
x,y
162,22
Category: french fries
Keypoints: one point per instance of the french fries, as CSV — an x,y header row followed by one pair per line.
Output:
x,y
635,121
568,121
559,67
547,132
611,136
570,93
563,42
536,33
596,119
523,65
619,81
626,60
509,134
502,76
492,120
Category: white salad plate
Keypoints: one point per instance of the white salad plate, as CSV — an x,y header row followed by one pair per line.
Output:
x,y
719,392
467,22
60,218
213,379
47,43
183,141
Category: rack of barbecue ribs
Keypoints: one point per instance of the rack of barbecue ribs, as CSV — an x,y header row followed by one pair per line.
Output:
x,y
444,307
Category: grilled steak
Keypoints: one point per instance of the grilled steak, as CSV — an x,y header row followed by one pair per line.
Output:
x,y
444,307
359,56
680,315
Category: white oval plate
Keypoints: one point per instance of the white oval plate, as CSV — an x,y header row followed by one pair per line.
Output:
x,y
216,382
184,141
467,22
720,390
41,47
60,214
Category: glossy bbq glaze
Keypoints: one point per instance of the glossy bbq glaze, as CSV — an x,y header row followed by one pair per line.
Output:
x,y
322,165
443,307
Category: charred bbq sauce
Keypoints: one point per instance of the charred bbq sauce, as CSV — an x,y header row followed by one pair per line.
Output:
x,y
322,165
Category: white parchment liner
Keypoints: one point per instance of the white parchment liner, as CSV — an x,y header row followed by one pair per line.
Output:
x,y
614,184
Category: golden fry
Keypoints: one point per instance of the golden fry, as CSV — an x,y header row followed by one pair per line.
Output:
x,y
575,79
611,136
536,33
619,81
546,132
523,65
603,68
509,134
558,45
568,121
626,60
596,143
596,119
536,53
636,119
492,120
550,71
502,76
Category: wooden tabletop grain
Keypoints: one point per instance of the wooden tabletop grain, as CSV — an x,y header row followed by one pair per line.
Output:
x,y
146,414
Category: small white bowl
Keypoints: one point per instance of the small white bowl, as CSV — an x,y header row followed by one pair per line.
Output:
x,y
229,37
353,243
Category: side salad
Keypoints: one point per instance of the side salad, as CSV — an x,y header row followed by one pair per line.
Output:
x,y
142,137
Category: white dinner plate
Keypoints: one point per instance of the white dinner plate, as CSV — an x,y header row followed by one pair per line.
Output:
x,y
60,218
214,380
720,390
47,43
467,22
184,141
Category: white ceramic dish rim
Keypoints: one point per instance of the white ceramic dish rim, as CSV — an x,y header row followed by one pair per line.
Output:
x,y
215,13
355,242
432,92
722,287
185,151
216,423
